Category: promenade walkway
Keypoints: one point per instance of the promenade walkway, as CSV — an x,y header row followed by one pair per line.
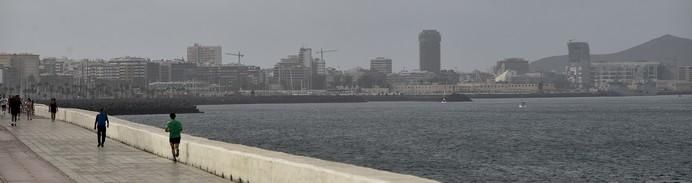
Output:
x,y
19,164
73,150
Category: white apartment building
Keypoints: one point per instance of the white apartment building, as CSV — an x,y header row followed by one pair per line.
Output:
x,y
473,88
122,68
630,74
19,69
381,64
204,55
685,73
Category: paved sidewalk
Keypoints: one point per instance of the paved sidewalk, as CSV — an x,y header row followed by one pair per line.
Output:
x,y
73,150
19,164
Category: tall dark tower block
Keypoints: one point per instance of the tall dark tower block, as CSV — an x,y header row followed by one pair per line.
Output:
x,y
579,65
429,52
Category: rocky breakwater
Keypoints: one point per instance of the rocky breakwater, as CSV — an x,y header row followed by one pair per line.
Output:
x,y
130,106
419,98
271,99
189,104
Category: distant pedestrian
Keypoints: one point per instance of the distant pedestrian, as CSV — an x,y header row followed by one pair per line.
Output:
x,y
15,104
3,102
52,108
174,127
29,106
100,125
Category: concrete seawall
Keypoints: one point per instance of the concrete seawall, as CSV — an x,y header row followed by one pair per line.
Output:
x,y
233,161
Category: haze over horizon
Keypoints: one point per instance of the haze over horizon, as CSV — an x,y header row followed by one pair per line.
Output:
x,y
475,34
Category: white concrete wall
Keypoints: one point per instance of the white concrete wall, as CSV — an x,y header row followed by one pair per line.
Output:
x,y
232,161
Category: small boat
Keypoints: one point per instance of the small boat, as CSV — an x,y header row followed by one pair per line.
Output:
x,y
522,105
444,100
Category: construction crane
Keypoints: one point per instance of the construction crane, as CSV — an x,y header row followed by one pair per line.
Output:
x,y
322,51
237,55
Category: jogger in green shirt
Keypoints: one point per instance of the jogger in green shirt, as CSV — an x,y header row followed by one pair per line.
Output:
x,y
174,127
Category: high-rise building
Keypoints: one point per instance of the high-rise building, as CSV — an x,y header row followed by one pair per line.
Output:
x,y
182,71
19,69
52,66
305,56
429,42
685,73
5,60
319,67
235,76
129,68
319,74
381,64
88,71
204,55
165,72
153,72
165,66
133,71
579,66
291,73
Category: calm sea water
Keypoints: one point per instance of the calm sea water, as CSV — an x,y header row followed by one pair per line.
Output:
x,y
621,139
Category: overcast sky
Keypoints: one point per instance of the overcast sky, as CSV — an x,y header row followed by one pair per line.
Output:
x,y
475,34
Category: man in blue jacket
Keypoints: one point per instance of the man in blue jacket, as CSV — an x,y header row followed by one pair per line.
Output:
x,y
100,126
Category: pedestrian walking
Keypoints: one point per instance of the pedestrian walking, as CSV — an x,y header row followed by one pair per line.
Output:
x,y
174,127
52,108
3,103
29,106
15,104
100,125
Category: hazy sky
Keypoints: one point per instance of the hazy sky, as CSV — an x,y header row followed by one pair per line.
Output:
x,y
475,34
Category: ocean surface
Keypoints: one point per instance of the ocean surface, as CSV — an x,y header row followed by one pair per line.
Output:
x,y
599,139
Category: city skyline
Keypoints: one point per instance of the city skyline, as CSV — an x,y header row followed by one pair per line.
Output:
x,y
474,39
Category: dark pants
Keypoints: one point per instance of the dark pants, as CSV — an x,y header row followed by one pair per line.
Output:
x,y
101,134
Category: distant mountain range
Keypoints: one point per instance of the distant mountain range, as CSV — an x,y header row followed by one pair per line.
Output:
x,y
667,49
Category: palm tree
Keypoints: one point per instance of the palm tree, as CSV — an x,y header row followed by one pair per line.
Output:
x,y
117,93
58,89
123,89
76,91
33,89
50,89
44,86
108,91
